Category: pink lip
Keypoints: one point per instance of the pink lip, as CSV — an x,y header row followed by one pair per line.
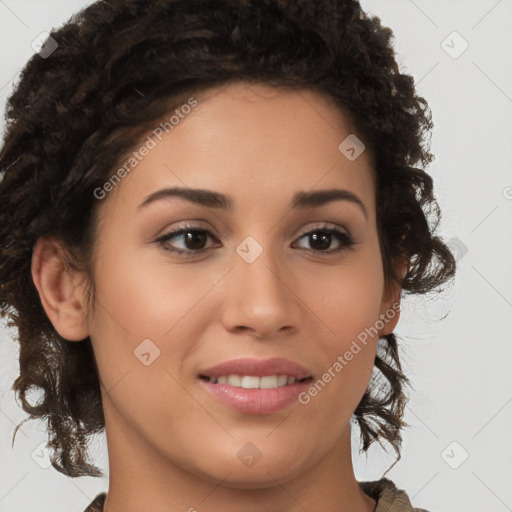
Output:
x,y
257,401
258,368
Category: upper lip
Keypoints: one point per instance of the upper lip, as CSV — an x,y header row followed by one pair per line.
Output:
x,y
258,368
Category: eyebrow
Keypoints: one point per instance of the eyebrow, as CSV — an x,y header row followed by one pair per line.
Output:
x,y
213,199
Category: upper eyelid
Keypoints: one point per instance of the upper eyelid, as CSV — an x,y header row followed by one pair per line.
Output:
x,y
324,225
319,226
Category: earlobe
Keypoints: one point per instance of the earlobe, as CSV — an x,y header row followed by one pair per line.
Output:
x,y
390,317
390,312
60,297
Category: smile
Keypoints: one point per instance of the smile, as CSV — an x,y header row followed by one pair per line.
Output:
x,y
253,381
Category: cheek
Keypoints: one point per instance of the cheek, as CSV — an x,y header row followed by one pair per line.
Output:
x,y
347,298
140,311
143,330
347,302
149,297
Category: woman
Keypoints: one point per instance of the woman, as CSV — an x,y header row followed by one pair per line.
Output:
x,y
209,214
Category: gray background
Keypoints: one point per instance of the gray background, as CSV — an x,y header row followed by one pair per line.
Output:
x,y
457,454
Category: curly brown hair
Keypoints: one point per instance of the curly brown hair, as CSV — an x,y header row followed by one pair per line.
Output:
x,y
122,64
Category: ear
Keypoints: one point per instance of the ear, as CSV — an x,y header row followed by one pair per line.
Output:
x,y
390,305
61,297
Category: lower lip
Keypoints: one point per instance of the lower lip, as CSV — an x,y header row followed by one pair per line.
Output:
x,y
257,401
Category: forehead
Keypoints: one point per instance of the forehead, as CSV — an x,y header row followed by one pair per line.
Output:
x,y
252,141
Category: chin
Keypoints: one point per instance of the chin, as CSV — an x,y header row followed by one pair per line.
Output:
x,y
265,478
263,474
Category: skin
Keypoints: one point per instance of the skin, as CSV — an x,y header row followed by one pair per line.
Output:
x,y
171,445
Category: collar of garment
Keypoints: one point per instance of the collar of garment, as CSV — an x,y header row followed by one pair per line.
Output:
x,y
389,498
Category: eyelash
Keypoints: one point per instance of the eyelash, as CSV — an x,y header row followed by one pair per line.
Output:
x,y
345,239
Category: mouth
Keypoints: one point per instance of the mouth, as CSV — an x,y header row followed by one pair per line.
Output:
x,y
255,386
255,382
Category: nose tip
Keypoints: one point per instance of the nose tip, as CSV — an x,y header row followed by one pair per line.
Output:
x,y
258,299
259,330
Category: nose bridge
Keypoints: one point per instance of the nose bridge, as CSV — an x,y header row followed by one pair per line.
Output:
x,y
258,295
257,268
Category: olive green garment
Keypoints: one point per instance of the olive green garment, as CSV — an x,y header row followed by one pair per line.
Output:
x,y
388,497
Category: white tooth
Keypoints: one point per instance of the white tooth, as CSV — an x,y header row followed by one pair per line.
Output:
x,y
234,380
282,380
269,381
250,382
254,382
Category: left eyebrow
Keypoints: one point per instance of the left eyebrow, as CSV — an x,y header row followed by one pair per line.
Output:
x,y
200,196
213,199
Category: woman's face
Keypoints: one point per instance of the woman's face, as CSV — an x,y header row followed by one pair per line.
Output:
x,y
257,291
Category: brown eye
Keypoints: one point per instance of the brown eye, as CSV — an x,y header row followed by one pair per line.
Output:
x,y
321,239
193,238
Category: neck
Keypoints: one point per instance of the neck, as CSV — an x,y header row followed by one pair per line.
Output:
x,y
143,478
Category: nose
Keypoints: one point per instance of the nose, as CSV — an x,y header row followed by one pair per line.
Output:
x,y
260,299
